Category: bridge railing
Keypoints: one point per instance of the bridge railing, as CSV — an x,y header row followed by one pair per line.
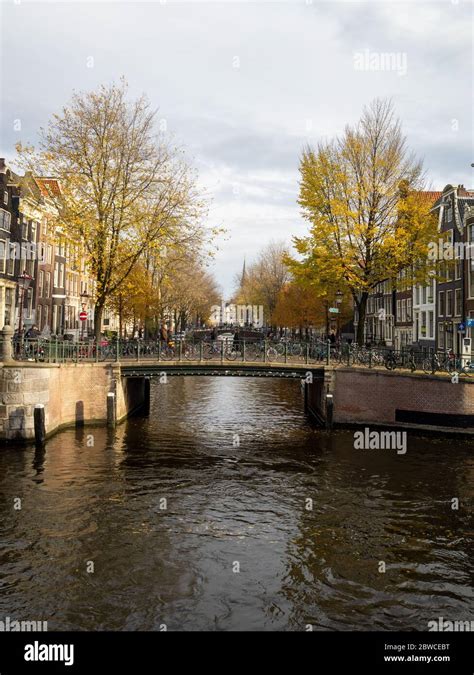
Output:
x,y
236,350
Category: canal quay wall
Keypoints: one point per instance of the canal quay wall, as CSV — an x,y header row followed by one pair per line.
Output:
x,y
361,396
72,395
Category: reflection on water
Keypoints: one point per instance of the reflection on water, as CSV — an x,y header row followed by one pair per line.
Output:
x,y
228,471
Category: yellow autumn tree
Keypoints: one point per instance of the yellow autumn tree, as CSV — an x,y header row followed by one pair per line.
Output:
x,y
363,196
124,187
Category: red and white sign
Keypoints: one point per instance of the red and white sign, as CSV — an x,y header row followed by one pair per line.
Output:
x,y
83,316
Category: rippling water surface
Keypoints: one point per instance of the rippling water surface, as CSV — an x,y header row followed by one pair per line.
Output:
x,y
234,462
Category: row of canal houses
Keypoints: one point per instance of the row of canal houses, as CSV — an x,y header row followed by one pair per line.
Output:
x,y
44,280
437,315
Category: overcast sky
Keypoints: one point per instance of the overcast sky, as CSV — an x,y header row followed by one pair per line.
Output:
x,y
245,85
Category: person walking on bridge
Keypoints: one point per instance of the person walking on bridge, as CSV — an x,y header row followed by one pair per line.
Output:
x,y
164,333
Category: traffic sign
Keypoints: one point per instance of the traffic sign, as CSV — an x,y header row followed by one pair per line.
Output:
x,y
83,316
334,310
461,328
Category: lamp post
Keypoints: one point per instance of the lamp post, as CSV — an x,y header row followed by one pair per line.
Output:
x,y
24,281
84,298
339,296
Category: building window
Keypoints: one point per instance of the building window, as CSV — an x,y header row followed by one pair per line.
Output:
x,y
3,255
5,220
47,288
409,308
5,197
41,283
39,317
449,340
457,302
449,303
24,229
11,260
448,212
441,303
441,336
431,291
423,324
431,324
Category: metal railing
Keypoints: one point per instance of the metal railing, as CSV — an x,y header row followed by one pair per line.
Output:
x,y
247,351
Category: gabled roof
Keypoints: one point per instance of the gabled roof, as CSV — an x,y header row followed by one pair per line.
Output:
x,y
48,186
430,196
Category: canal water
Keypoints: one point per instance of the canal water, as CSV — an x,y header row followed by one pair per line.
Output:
x,y
225,510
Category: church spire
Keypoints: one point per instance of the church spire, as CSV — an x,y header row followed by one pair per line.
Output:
x,y
244,274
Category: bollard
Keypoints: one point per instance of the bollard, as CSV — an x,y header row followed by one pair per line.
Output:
x,y
39,421
329,410
6,347
111,411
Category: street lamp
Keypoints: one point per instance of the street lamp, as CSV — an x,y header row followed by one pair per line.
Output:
x,y
24,281
339,296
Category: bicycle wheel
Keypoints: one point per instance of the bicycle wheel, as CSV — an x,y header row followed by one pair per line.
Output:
x,y
207,352
296,349
272,354
251,353
428,366
189,352
230,354
280,349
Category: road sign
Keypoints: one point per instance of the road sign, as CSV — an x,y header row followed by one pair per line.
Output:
x,y
461,328
83,316
470,323
334,310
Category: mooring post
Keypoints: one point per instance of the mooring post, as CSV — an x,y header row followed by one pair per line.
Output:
x,y
329,410
39,421
111,410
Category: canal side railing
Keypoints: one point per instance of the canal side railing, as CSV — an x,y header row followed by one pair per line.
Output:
x,y
244,351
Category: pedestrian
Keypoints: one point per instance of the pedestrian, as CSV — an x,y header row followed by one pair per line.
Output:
x,y
235,341
32,333
164,333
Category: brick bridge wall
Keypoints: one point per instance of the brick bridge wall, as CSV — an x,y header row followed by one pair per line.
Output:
x,y
72,395
363,396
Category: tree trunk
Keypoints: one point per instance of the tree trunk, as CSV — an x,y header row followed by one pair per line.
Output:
x,y
361,307
98,312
